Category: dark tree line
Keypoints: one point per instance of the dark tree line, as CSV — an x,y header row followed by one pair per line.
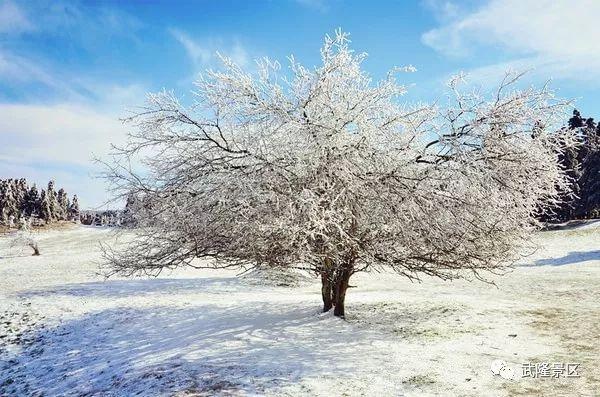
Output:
x,y
583,165
19,201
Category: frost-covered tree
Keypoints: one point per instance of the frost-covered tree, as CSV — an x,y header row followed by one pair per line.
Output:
x,y
20,188
44,207
582,164
325,170
3,202
52,198
129,213
63,204
588,205
18,201
30,202
9,202
24,236
74,209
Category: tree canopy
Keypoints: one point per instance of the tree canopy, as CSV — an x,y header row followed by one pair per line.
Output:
x,y
325,170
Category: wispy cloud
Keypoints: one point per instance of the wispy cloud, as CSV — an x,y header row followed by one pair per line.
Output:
x,y
443,10
12,19
53,119
203,53
42,142
81,118
197,53
84,27
84,24
16,70
551,27
559,36
61,133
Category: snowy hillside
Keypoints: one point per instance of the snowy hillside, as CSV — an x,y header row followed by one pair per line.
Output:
x,y
65,331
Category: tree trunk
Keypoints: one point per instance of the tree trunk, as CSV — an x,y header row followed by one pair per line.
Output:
x,y
326,291
341,286
334,289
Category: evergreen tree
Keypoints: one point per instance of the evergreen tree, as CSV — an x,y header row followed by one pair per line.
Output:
x,y
128,216
588,204
10,205
30,203
19,201
576,121
63,205
21,189
583,166
52,198
3,200
45,209
74,209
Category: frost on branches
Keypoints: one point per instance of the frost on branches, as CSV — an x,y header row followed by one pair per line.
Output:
x,y
325,170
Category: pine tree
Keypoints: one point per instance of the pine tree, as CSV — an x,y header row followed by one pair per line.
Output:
x,y
3,202
45,209
583,167
53,202
10,206
74,209
30,202
20,193
588,204
63,205
576,121
18,201
128,217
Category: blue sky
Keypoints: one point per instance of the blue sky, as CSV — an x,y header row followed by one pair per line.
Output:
x,y
69,69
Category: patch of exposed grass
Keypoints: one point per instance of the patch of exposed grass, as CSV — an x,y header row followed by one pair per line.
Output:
x,y
420,380
412,321
578,331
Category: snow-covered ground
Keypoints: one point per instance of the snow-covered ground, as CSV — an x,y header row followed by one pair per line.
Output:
x,y
65,331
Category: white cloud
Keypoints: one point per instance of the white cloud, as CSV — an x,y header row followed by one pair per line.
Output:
x,y
12,18
443,10
205,55
62,133
559,35
551,27
64,119
82,24
197,53
43,139
15,69
42,142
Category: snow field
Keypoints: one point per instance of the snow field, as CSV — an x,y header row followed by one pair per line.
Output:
x,y
66,331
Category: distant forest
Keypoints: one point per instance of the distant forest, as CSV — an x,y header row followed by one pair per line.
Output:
x,y
20,202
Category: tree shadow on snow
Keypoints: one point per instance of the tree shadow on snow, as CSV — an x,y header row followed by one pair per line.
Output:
x,y
142,287
16,256
203,349
570,258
